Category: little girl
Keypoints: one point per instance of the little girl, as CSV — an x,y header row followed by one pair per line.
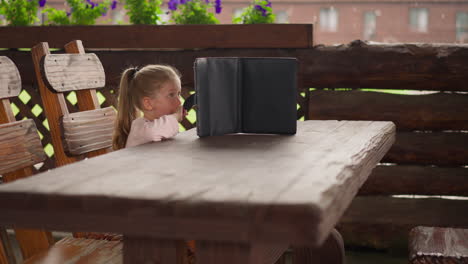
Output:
x,y
155,91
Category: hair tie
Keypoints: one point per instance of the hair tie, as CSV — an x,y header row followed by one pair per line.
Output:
x,y
132,74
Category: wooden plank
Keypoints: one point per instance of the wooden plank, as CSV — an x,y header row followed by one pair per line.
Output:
x,y
88,130
389,180
175,195
79,250
54,106
20,146
331,252
167,36
10,80
413,67
443,149
87,99
388,66
438,245
384,222
440,111
72,72
142,250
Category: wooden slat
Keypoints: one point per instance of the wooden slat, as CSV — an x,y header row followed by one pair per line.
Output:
x,y
71,72
79,250
421,180
444,149
88,130
385,222
441,111
167,36
10,80
20,146
430,245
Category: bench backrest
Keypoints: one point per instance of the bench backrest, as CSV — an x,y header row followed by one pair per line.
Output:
x,y
87,133
20,148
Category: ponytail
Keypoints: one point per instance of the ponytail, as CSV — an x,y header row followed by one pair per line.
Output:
x,y
126,110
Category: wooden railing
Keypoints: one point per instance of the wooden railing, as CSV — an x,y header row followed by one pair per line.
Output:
x,y
431,152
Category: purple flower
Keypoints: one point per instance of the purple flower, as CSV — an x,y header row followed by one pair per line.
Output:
x,y
182,2
91,3
68,14
268,3
261,9
104,12
42,3
114,4
172,4
218,6
207,1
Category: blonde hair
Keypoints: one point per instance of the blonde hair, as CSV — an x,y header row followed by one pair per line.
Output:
x,y
134,85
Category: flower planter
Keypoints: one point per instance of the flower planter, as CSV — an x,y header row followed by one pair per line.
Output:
x,y
162,36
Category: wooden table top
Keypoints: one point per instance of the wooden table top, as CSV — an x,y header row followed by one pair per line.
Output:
x,y
233,188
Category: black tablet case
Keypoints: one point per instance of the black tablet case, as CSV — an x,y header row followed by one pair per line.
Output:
x,y
245,95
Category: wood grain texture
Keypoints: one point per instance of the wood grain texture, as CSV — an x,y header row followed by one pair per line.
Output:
x,y
80,251
167,36
88,130
10,80
385,222
54,106
261,186
435,112
413,67
20,146
144,250
407,179
438,245
87,99
6,250
438,148
72,72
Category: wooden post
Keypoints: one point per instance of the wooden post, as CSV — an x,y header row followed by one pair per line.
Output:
x,y
54,106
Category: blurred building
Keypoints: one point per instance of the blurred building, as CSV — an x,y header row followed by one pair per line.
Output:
x,y
341,21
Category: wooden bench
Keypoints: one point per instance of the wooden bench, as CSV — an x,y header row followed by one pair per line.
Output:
x,y
431,245
431,147
20,149
83,134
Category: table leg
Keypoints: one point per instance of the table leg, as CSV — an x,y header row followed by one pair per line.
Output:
x,y
331,252
215,252
144,250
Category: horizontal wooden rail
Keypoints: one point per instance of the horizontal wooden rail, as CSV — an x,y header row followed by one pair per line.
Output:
x,y
443,149
436,112
385,222
405,66
167,36
421,180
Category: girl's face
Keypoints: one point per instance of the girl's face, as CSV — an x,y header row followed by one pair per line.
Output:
x,y
165,101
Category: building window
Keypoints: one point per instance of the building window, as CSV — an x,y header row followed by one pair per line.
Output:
x,y
461,25
370,25
419,19
282,17
329,19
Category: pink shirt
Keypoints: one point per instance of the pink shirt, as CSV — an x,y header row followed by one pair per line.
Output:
x,y
143,130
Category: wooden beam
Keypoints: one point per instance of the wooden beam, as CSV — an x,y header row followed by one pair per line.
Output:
x,y
384,222
440,111
443,149
167,36
390,180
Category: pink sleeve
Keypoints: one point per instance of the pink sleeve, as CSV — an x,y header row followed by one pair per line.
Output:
x,y
164,127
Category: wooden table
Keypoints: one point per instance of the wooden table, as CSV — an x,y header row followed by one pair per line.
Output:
x,y
234,194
